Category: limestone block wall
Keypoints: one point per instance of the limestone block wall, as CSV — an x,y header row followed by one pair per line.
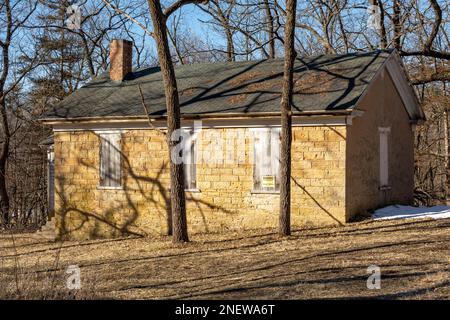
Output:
x,y
382,107
224,200
318,173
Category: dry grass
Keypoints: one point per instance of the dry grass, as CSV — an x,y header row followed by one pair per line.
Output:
x,y
414,256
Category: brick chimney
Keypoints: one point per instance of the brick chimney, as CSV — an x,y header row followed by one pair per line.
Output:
x,y
120,56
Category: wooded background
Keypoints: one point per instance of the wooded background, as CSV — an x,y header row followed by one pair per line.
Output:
x,y
43,60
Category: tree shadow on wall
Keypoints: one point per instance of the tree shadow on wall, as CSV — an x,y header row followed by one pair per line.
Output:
x,y
140,207
323,209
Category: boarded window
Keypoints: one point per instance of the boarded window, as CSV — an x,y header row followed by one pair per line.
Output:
x,y
110,160
384,156
51,179
189,160
266,164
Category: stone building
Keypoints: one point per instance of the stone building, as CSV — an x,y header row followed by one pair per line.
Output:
x,y
353,126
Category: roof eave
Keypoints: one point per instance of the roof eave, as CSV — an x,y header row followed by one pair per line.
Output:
x,y
394,56
422,117
52,121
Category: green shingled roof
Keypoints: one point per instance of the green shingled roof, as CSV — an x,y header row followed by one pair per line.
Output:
x,y
322,83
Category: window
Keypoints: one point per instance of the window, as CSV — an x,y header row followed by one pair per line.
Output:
x,y
110,160
51,178
189,161
384,156
266,159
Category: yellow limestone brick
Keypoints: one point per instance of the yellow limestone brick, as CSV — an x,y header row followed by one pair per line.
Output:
x,y
316,135
314,155
225,200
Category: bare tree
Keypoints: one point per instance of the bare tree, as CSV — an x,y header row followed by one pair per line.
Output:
x,y
286,119
178,201
188,48
270,28
428,49
221,13
13,16
382,29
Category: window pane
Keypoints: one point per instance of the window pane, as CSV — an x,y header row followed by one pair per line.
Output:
x,y
104,155
115,159
110,160
266,159
189,150
193,167
257,161
275,147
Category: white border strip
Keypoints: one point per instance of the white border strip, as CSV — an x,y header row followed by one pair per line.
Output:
x,y
207,124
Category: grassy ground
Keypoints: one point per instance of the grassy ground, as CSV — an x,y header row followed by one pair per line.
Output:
x,y
414,257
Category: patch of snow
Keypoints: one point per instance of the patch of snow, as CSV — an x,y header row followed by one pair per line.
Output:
x,y
407,212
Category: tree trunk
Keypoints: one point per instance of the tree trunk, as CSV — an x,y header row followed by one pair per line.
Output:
x,y
230,44
4,127
397,25
224,18
286,120
383,35
4,152
447,158
270,29
88,56
178,202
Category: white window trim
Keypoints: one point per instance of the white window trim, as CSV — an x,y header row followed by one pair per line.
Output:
x,y
99,187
